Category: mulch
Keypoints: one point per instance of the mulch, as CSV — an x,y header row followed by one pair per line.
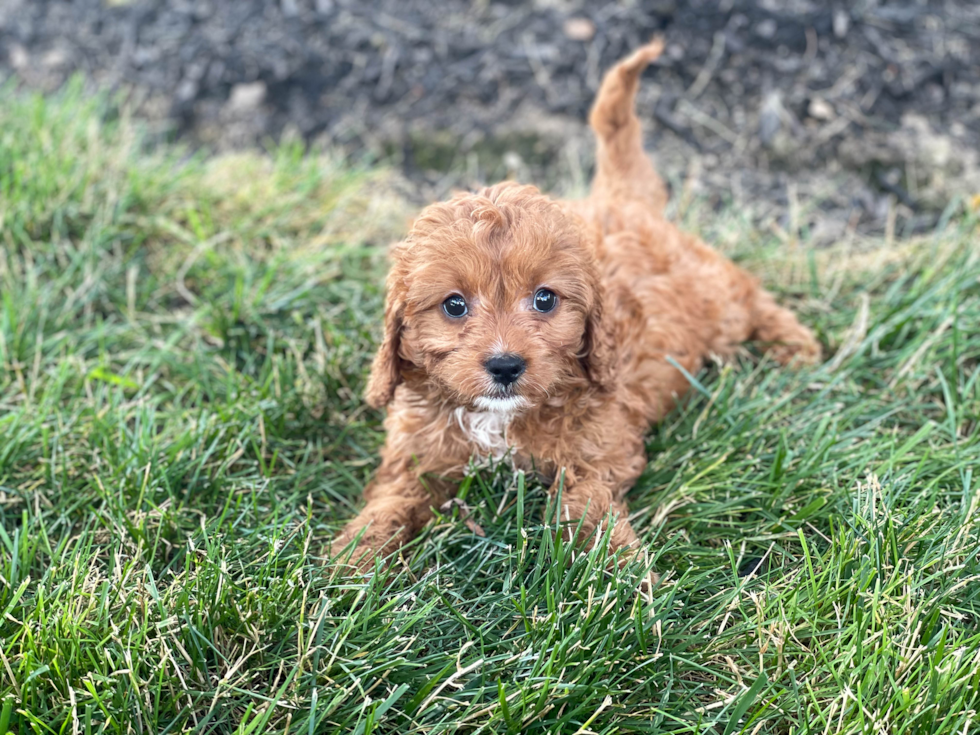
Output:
x,y
821,118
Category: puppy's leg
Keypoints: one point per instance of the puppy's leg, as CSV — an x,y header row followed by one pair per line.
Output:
x,y
398,505
745,311
587,504
623,170
779,331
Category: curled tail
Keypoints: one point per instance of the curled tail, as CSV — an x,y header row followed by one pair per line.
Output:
x,y
623,170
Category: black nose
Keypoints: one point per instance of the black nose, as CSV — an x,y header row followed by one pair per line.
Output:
x,y
505,369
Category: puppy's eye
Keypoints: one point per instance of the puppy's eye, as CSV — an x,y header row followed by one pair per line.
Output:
x,y
545,300
455,306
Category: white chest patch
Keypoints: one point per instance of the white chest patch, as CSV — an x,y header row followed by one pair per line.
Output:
x,y
487,429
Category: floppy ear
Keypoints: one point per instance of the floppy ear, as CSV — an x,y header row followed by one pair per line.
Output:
x,y
386,369
600,347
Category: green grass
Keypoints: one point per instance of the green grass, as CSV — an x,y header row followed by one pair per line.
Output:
x,y
183,343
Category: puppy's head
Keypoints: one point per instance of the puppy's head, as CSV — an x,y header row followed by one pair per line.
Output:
x,y
494,302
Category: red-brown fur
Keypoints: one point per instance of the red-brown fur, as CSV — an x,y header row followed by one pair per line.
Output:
x,y
633,290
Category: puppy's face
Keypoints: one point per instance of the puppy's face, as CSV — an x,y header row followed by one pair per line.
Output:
x,y
493,301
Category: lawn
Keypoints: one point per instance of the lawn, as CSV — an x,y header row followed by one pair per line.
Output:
x,y
183,344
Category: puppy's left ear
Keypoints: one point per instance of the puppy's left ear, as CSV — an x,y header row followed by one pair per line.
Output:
x,y
386,370
600,347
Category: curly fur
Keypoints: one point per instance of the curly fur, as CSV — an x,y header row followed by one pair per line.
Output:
x,y
636,298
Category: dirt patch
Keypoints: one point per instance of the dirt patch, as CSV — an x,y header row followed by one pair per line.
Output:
x,y
817,117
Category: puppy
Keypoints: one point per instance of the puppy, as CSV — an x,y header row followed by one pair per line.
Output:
x,y
552,332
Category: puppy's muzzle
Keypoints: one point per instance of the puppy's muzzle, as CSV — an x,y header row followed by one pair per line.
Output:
x,y
505,369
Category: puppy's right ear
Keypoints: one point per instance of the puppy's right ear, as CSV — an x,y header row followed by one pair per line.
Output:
x,y
386,369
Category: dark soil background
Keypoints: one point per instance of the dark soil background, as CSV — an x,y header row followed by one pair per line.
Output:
x,y
820,118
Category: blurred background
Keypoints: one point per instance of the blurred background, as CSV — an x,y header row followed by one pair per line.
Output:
x,y
819,118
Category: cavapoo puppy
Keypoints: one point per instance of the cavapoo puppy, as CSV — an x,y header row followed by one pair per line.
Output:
x,y
552,332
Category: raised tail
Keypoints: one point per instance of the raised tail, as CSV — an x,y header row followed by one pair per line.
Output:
x,y
623,170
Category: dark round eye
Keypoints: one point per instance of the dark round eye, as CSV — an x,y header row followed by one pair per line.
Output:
x,y
455,306
545,300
